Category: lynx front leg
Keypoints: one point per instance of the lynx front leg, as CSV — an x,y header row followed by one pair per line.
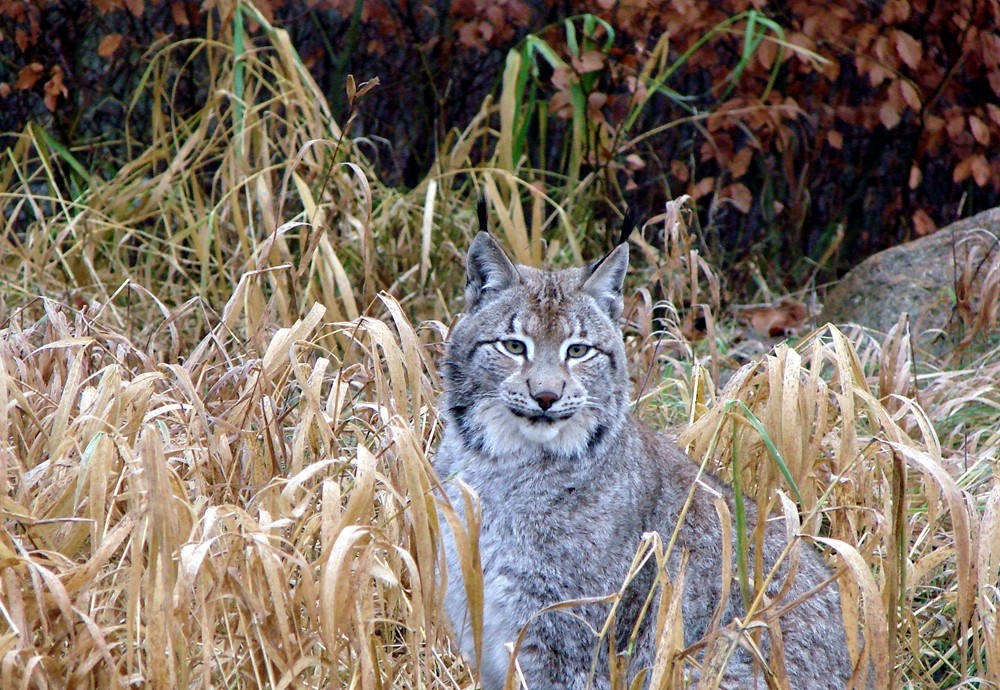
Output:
x,y
558,652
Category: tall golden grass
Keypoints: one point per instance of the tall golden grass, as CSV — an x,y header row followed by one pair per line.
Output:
x,y
218,394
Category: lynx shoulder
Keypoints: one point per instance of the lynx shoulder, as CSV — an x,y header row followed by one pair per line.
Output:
x,y
537,423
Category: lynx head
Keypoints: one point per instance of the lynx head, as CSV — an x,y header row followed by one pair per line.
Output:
x,y
537,364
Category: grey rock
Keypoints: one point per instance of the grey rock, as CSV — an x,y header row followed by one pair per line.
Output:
x,y
919,278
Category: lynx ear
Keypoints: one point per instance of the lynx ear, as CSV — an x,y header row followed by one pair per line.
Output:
x,y
606,280
488,272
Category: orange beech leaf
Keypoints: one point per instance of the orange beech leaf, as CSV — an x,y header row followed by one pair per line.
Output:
x,y
979,130
889,115
105,6
518,11
835,139
495,15
266,8
109,44
915,177
831,69
597,100
679,170
910,95
909,48
634,161
563,78
962,171
740,163
895,11
800,40
790,109
560,105
28,76
590,61
933,123
955,124
812,24
883,53
865,35
980,169
5,90
894,95
637,87
702,187
179,12
137,7
990,48
739,195
922,223
876,73
468,35
472,33
766,53
994,112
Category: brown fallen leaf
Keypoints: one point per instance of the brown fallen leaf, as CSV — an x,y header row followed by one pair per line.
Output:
x,y
28,75
108,45
54,88
784,317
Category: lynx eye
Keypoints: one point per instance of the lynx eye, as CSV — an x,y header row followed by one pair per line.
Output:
x,y
577,350
514,347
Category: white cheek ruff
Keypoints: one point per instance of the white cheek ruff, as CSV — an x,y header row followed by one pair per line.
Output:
x,y
540,432
505,434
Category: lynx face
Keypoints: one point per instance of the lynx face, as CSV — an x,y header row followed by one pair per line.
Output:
x,y
537,362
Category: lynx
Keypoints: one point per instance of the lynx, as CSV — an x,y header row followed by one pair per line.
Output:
x,y
537,422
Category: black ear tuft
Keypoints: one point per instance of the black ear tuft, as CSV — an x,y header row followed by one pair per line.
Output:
x,y
481,213
628,225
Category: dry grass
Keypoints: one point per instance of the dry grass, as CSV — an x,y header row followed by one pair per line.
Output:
x,y
217,403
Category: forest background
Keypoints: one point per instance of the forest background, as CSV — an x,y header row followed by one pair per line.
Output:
x,y
808,133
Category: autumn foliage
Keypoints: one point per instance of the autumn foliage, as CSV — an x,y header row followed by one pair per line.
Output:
x,y
815,131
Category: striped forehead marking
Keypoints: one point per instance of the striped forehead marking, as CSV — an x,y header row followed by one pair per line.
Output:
x,y
543,321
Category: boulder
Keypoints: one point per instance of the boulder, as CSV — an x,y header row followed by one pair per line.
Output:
x,y
948,282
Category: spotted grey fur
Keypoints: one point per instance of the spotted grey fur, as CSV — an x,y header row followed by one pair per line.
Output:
x,y
537,423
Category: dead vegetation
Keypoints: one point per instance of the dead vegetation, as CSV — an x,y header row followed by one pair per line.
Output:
x,y
217,404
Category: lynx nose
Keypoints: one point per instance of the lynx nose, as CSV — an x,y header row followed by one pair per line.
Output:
x,y
545,399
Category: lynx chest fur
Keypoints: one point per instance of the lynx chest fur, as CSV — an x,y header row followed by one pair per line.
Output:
x,y
537,423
